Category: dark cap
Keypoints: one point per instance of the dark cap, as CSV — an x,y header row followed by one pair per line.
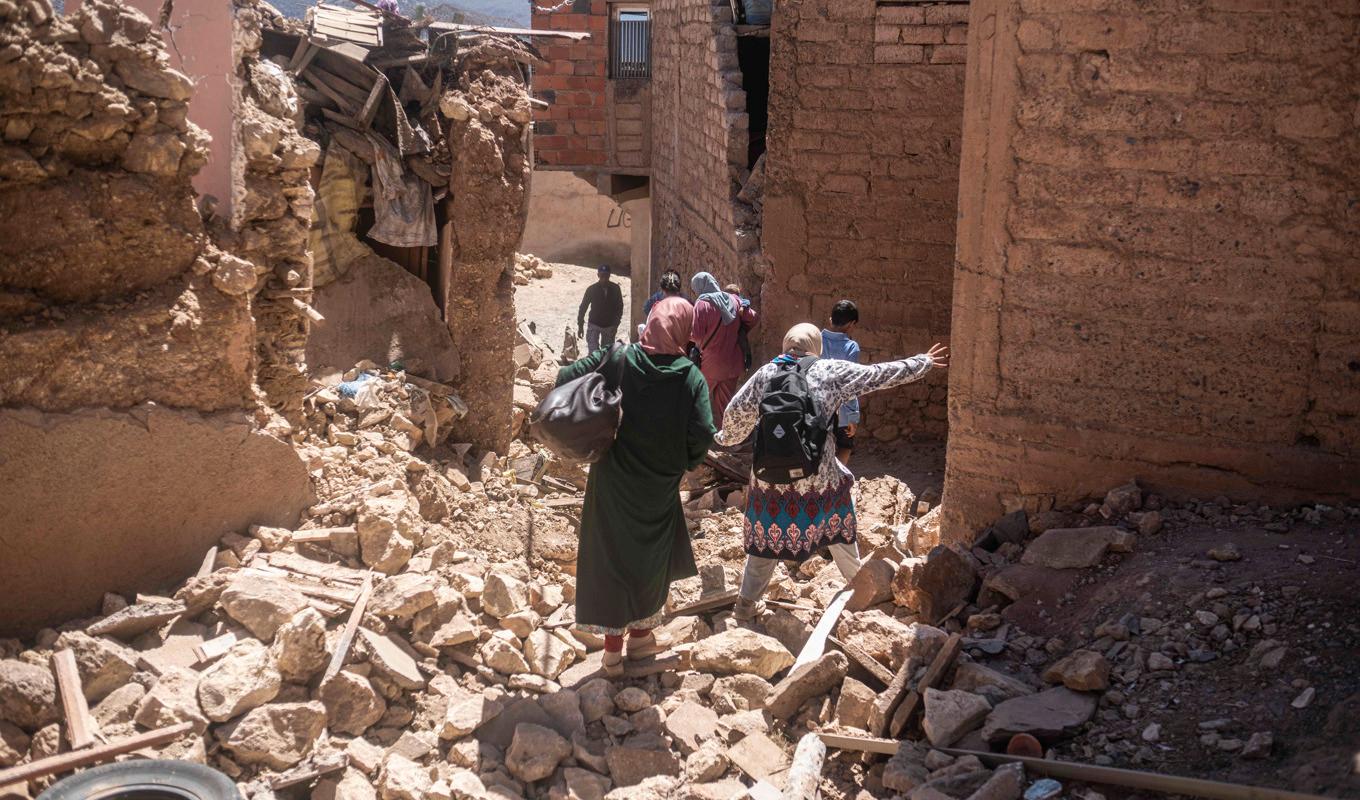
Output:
x,y
603,270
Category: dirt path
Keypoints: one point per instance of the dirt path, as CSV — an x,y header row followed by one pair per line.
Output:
x,y
551,303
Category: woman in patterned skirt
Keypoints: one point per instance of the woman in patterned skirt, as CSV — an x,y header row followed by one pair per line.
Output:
x,y
791,522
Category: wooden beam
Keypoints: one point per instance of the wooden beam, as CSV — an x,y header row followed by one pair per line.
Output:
x,y
65,762
1134,779
706,605
351,627
886,703
454,26
871,665
816,643
371,103
805,773
862,744
934,673
79,724
727,470
344,103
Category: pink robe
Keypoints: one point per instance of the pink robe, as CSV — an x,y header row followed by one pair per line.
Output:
x,y
723,361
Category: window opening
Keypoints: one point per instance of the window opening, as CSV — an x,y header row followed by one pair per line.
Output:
x,y
630,43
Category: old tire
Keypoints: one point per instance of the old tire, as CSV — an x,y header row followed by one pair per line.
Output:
x,y
145,780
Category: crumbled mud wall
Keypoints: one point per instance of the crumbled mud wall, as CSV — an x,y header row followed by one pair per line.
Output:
x,y
699,145
113,297
272,212
866,118
1157,273
488,203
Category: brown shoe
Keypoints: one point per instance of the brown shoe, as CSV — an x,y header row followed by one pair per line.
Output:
x,y
643,647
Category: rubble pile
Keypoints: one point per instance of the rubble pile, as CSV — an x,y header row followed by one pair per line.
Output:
x,y
530,267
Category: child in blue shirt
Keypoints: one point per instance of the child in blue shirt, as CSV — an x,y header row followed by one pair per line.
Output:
x,y
836,343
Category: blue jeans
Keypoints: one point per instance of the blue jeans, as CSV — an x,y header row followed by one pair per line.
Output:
x,y
597,337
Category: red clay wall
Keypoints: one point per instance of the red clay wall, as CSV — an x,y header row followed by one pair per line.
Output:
x,y
1157,268
593,120
699,145
866,120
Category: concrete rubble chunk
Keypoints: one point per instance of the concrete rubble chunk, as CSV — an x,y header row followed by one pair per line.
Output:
x,y
261,604
1082,671
741,651
871,585
504,595
402,596
805,683
936,584
13,745
546,653
1048,716
299,647
403,779
1006,783
392,658
468,711
582,784
691,725
853,705
387,530
629,765
172,700
1076,548
137,619
535,752
120,706
597,699
978,679
277,736
889,640
352,704
708,763
28,695
103,664
906,770
951,714
243,679
501,654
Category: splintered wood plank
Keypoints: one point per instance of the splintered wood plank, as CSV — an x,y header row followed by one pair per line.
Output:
x,y
705,605
816,643
64,762
862,744
373,100
79,723
351,627
870,664
934,673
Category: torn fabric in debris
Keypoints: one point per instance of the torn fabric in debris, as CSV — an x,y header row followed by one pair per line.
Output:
x,y
403,205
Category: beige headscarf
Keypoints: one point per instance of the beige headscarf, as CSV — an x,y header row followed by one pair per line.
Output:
x,y
803,339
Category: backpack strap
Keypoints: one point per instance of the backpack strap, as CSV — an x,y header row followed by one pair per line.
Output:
x,y
611,366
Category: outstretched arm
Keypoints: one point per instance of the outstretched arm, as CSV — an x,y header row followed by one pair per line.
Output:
x,y
848,380
744,410
575,370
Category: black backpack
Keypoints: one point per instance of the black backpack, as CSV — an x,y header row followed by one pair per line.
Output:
x,y
791,435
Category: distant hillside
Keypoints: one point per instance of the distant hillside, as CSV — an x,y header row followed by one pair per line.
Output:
x,y
514,13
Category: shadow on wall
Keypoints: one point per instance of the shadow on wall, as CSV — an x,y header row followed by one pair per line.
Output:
x,y
571,223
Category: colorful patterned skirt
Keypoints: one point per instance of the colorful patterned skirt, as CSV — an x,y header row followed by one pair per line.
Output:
x,y
792,525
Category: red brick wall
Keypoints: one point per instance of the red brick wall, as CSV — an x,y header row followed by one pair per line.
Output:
x,y
1157,264
592,121
866,121
699,143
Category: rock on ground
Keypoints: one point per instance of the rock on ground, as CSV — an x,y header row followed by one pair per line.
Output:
x,y
28,695
1047,716
403,779
809,681
1076,548
352,705
299,647
634,765
854,704
261,604
535,752
277,736
244,678
890,641
174,699
951,714
741,651
1082,671
104,665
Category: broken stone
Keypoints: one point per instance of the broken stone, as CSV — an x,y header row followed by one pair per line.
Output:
x,y
1006,783
261,604
890,641
734,693
351,785
973,677
13,745
402,596
135,620
1082,671
1076,548
174,699
468,711
403,779
1226,552
905,770
1259,745
503,595
120,706
951,714
690,726
299,647
1159,662
936,584
28,695
1048,716
522,623
788,628
597,699
708,763
535,752
103,665
501,654
386,528
808,681
741,651
546,654
241,680
873,584
1123,499
352,704
393,659
278,735
630,766
459,630
854,704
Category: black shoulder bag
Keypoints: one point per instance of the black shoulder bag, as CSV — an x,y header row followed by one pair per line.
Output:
x,y
580,419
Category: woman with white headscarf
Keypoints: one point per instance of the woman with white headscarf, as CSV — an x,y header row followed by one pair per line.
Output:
x,y
719,318
791,522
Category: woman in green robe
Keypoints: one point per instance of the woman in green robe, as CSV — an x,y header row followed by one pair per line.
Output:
x,y
633,536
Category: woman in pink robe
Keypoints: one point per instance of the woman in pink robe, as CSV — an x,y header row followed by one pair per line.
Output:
x,y
718,320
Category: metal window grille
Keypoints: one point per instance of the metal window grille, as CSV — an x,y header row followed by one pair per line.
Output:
x,y
630,46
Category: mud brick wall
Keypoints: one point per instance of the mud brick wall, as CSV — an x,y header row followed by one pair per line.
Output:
x,y
592,121
866,117
699,144
1157,258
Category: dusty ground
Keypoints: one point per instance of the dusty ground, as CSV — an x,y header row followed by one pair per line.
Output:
x,y
551,303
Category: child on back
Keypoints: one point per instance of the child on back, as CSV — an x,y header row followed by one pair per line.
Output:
x,y
837,344
743,335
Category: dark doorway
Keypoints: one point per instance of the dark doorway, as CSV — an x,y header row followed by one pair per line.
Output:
x,y
753,56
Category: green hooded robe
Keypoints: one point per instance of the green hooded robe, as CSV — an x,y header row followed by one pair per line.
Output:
x,y
633,536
